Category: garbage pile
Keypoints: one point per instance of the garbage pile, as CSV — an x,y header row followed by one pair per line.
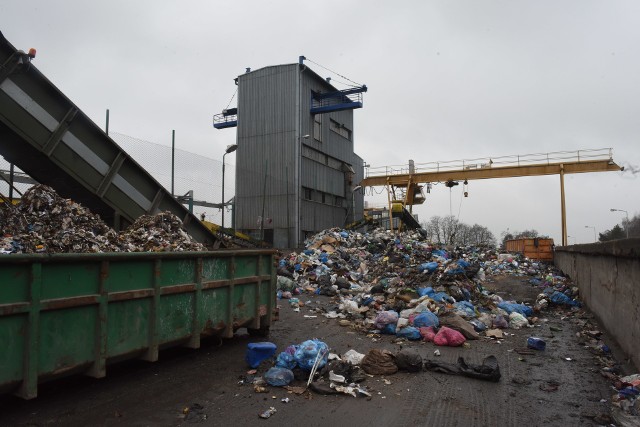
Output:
x,y
405,286
44,222
311,366
157,233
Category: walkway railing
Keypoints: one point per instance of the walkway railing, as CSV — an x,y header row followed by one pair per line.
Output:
x,y
503,161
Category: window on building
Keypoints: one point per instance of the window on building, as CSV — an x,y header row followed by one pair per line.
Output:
x,y
306,193
340,129
317,127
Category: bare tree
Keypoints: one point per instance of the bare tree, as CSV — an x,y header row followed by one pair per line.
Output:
x,y
449,230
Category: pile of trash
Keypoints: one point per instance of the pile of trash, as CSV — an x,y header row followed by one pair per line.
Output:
x,y
405,286
311,366
44,222
157,233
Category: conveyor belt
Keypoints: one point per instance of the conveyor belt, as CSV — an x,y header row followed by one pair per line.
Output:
x,y
51,139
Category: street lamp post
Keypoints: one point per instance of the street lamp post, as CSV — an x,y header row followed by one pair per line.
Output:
x,y
627,213
595,239
230,149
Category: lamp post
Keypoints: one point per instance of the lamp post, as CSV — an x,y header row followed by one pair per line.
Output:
x,y
230,149
627,213
595,239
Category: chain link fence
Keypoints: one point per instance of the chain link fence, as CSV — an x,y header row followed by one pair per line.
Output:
x,y
192,172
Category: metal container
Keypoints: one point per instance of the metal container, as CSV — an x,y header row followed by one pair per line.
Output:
x,y
533,248
69,313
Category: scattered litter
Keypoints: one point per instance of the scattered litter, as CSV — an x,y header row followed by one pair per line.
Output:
x,y
194,413
278,377
268,412
488,370
379,362
536,343
353,357
258,352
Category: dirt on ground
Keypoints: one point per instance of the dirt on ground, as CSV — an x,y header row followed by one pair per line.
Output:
x,y
559,386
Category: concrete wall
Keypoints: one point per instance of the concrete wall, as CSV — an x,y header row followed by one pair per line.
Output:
x,y
608,276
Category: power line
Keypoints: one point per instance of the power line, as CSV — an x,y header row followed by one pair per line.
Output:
x,y
234,95
337,74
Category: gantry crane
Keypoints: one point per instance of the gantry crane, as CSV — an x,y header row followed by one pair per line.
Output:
x,y
410,180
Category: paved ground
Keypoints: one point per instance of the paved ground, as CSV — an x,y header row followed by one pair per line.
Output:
x,y
543,388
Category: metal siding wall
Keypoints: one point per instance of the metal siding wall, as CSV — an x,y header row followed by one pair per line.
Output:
x,y
332,143
318,216
266,146
322,178
266,138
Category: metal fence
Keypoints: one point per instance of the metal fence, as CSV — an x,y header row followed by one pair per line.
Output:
x,y
192,172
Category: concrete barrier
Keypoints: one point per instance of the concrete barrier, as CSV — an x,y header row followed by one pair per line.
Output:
x,y
608,276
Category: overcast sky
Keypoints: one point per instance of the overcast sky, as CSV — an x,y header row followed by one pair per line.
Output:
x,y
447,80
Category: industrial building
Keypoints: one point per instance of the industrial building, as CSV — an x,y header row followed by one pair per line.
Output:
x,y
296,170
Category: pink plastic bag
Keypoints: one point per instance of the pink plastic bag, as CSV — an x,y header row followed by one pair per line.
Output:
x,y
448,336
427,332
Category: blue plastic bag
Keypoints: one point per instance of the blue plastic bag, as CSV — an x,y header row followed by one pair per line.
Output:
x,y
307,353
562,299
462,263
441,253
389,329
426,319
286,360
510,307
465,309
410,333
457,270
424,291
430,267
441,297
278,377
478,326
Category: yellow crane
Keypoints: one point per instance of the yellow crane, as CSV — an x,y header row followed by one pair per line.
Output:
x,y
411,178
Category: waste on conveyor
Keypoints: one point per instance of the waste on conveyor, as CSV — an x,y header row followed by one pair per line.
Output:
x,y
44,222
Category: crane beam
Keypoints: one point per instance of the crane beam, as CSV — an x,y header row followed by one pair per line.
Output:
x,y
401,180
488,171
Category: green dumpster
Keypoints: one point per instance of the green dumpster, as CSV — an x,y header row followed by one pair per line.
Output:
x,y
69,313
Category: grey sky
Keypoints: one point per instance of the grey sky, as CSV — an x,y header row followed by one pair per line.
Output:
x,y
447,80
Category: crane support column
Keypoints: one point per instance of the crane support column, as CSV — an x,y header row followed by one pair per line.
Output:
x,y
390,207
563,208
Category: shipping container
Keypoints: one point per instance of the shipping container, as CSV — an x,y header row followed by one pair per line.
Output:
x,y
75,313
537,248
